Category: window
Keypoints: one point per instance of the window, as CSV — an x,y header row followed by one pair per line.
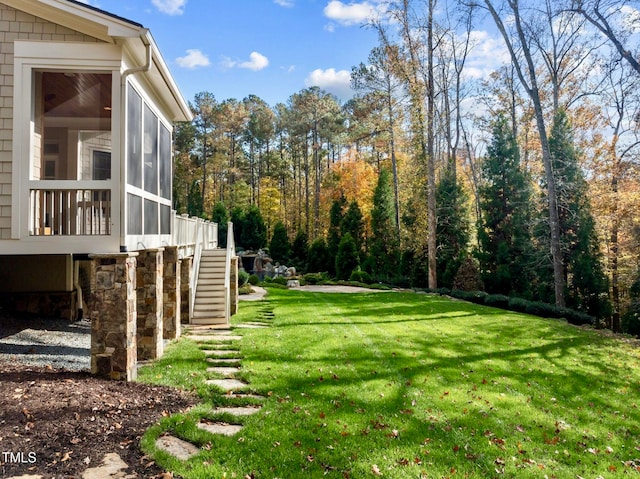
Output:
x,y
101,165
134,138
66,102
150,151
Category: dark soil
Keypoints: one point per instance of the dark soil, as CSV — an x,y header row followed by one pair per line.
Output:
x,y
57,423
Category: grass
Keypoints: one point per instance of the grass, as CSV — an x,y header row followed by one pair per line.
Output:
x,y
402,385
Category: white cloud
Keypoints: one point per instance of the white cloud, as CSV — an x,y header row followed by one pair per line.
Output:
x,y
354,13
284,3
170,7
336,82
257,61
487,55
193,59
630,18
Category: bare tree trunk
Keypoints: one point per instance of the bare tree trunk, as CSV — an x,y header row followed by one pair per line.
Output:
x,y
532,89
432,219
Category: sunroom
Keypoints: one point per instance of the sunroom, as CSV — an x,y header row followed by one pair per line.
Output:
x,y
92,147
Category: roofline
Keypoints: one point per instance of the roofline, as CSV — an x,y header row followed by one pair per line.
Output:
x,y
104,12
114,29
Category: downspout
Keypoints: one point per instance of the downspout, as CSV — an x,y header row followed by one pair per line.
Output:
x,y
144,37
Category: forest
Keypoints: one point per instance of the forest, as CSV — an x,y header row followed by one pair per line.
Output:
x,y
522,183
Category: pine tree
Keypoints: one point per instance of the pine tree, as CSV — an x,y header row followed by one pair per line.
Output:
x,y
280,248
221,217
336,214
587,286
254,231
299,250
347,259
194,200
384,253
353,224
453,228
505,248
319,258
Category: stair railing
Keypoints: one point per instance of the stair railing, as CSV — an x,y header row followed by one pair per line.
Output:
x,y
231,252
199,240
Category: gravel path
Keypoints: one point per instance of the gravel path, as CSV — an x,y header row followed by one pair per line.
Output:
x,y
54,343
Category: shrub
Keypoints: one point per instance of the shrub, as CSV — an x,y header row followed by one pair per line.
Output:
x,y
280,280
315,278
254,280
472,296
245,289
497,301
360,276
518,304
243,277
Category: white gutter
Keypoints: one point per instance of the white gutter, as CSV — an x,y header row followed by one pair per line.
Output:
x,y
144,37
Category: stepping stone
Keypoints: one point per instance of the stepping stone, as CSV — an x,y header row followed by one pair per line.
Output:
x,y
220,352
252,326
215,338
239,411
224,360
220,428
178,448
228,384
112,466
225,370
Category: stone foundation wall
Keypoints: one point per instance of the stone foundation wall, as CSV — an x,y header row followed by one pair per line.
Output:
x,y
171,296
185,281
112,307
149,286
61,305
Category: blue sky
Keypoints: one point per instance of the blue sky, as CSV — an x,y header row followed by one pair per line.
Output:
x,y
269,48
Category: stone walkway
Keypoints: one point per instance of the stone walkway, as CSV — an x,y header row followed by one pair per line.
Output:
x,y
224,362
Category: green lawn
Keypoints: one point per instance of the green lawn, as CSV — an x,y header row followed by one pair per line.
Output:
x,y
403,385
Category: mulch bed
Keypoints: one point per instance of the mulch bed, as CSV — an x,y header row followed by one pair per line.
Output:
x,y
57,423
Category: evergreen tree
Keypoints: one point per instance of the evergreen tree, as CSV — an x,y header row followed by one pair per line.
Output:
x,y
384,252
237,218
221,217
280,248
194,200
336,214
319,257
299,250
587,287
353,224
254,231
505,248
347,259
453,228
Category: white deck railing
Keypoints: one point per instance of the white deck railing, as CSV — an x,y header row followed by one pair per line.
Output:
x,y
192,236
189,232
69,212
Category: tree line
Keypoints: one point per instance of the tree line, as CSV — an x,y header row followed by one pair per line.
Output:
x,y
523,182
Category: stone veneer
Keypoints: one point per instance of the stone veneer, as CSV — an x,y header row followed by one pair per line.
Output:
x,y
233,284
186,270
112,309
149,285
171,285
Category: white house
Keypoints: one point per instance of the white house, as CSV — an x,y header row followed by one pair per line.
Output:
x,y
87,105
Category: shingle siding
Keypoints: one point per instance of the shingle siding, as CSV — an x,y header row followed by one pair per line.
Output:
x,y
17,25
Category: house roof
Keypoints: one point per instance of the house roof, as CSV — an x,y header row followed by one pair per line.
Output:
x,y
111,28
